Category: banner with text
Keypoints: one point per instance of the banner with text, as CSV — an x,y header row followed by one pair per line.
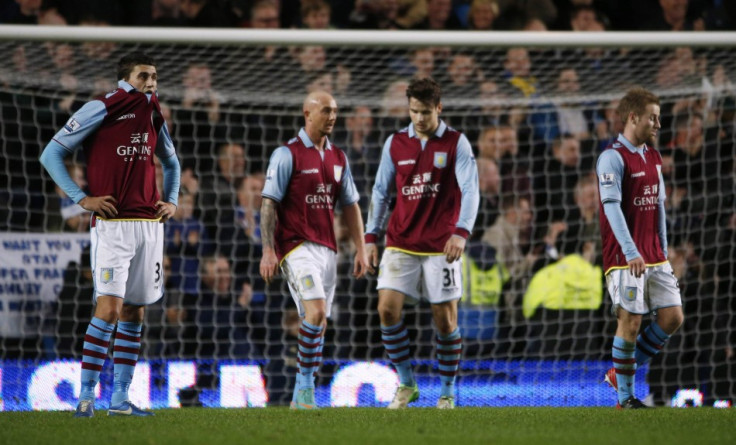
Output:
x,y
31,275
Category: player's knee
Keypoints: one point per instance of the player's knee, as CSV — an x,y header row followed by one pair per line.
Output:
x,y
673,322
445,326
316,317
108,314
388,314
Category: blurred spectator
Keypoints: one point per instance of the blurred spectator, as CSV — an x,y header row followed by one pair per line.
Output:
x,y
484,278
585,18
363,149
566,115
418,63
21,12
264,14
501,144
196,119
199,92
517,72
672,16
206,14
562,305
608,128
708,195
535,25
489,181
514,14
554,181
463,77
248,212
185,243
394,103
509,237
481,15
216,320
680,68
75,307
50,15
316,14
320,80
439,16
166,13
218,198
98,52
582,236
495,110
375,14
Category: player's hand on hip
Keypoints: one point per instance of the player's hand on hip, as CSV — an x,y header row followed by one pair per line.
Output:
x,y
362,265
269,265
454,248
165,211
637,267
101,205
371,252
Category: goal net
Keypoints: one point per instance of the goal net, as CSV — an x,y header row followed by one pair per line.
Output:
x,y
537,109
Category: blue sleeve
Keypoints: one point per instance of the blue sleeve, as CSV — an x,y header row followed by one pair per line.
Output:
x,y
278,174
164,146
349,193
620,230
662,225
466,172
379,198
52,159
82,123
172,178
610,171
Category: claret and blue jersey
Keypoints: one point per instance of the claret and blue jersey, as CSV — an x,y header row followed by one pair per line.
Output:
x,y
631,178
436,183
307,183
120,133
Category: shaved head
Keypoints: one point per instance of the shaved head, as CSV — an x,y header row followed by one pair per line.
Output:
x,y
320,114
317,99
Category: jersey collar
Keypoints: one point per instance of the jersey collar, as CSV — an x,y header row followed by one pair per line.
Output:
x,y
626,143
438,133
308,142
128,88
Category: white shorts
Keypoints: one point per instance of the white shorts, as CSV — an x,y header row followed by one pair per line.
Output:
x,y
127,260
421,276
656,289
311,271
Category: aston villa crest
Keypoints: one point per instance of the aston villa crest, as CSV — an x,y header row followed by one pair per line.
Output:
x,y
440,159
338,173
106,274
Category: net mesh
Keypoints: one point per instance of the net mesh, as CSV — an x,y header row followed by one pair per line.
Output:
x,y
536,117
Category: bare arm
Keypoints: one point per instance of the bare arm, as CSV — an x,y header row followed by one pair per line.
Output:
x,y
354,222
269,262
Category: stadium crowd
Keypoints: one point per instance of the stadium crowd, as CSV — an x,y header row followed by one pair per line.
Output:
x,y
532,117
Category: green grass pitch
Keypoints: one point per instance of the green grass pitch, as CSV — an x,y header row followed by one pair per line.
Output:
x,y
353,426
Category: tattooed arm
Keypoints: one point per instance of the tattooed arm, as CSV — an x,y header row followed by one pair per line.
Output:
x,y
269,262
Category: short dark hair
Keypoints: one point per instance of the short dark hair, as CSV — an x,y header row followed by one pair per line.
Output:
x,y
425,90
636,101
128,62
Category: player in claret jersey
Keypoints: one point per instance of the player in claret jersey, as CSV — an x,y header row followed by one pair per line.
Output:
x,y
120,133
304,181
632,217
435,177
